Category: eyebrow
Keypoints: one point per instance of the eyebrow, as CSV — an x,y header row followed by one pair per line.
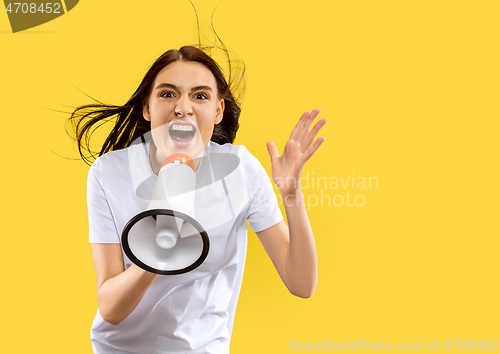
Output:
x,y
196,88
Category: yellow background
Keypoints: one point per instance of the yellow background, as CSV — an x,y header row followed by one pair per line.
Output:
x,y
411,94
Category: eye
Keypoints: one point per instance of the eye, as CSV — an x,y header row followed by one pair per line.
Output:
x,y
200,96
167,94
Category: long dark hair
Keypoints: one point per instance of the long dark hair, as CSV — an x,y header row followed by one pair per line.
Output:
x,y
129,123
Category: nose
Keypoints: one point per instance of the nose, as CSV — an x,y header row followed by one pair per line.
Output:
x,y
183,107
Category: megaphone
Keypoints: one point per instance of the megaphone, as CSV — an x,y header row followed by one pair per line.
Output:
x,y
166,238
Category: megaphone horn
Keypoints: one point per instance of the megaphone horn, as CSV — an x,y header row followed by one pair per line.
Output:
x,y
166,238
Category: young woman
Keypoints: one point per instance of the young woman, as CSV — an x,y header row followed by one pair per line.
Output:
x,y
184,104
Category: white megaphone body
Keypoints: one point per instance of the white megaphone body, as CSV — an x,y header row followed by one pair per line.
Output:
x,y
166,238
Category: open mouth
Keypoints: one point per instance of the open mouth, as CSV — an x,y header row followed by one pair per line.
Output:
x,y
182,133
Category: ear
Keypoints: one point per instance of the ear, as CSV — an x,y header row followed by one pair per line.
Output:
x,y
220,112
145,112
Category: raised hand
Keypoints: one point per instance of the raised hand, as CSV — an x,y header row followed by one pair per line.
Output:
x,y
286,169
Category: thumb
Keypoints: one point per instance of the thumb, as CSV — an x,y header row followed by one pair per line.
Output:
x,y
273,152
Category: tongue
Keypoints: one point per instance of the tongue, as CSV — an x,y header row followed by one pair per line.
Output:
x,y
180,135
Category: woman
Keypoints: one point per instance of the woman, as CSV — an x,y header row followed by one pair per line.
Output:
x,y
184,104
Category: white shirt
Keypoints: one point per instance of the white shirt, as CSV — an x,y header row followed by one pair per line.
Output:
x,y
191,312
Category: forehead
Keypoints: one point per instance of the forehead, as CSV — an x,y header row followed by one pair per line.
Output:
x,y
186,74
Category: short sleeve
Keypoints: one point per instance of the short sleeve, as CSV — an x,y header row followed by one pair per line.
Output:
x,y
102,226
263,211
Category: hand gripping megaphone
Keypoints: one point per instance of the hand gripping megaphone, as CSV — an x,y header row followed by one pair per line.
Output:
x,y
166,238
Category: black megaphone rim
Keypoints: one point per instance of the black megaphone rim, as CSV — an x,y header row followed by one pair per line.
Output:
x,y
169,212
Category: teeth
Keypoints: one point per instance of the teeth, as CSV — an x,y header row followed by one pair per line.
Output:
x,y
183,127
